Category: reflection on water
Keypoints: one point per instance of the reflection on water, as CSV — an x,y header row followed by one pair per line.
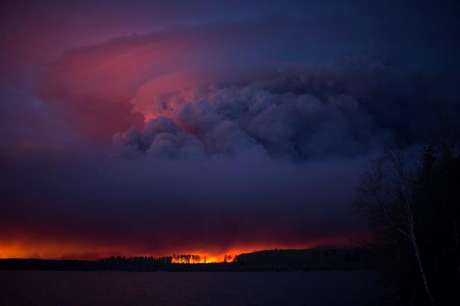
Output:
x,y
40,288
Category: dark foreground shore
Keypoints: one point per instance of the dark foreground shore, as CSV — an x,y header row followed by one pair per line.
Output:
x,y
270,260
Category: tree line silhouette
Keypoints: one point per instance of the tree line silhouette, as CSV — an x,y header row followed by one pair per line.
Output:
x,y
412,201
270,260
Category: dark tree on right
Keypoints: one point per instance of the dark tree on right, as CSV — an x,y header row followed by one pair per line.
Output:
x,y
412,201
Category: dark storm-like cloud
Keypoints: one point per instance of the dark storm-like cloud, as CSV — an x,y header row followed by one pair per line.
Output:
x,y
297,116
237,119
93,88
160,206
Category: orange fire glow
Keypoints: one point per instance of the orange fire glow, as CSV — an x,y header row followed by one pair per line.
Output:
x,y
88,250
202,259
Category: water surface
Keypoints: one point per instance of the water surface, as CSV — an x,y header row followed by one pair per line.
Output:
x,y
50,288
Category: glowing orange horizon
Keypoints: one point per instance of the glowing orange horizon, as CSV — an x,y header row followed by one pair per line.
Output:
x,y
73,250
64,250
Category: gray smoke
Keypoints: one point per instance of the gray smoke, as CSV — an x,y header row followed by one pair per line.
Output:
x,y
230,120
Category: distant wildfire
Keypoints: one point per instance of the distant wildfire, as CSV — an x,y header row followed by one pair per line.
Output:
x,y
69,250
202,259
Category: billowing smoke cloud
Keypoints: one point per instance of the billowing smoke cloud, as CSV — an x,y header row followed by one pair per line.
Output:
x,y
231,120
191,76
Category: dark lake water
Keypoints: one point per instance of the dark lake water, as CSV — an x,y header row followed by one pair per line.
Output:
x,y
42,288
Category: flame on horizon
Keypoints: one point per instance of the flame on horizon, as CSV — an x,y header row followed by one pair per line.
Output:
x,y
202,259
